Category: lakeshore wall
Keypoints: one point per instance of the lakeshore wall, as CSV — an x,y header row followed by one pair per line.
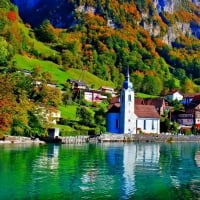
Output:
x,y
109,138
129,138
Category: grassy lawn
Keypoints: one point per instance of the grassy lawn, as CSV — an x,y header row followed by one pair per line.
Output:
x,y
59,75
142,95
89,78
67,130
39,46
24,62
68,112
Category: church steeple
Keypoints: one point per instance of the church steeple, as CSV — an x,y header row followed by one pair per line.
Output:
x,y
127,84
127,116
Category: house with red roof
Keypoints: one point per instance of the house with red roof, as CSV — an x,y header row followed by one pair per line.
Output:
x,y
160,103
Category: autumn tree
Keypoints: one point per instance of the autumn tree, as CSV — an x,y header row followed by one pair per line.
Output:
x,y
7,102
3,51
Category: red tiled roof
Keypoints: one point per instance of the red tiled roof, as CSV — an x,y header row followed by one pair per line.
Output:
x,y
157,102
144,111
139,101
196,98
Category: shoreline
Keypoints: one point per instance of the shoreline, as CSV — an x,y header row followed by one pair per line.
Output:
x,y
105,138
20,140
149,138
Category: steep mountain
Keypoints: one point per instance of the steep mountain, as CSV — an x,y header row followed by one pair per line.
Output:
x,y
157,39
165,18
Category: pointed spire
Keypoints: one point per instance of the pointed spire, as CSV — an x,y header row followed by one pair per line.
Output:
x,y
127,84
127,74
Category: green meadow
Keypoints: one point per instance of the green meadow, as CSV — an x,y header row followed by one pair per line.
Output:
x,y
60,75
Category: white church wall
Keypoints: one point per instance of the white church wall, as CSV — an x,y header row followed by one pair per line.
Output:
x,y
148,125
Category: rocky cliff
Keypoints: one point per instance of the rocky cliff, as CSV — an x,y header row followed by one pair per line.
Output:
x,y
179,26
166,19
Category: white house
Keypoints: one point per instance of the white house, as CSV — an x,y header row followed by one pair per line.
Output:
x,y
93,95
148,120
128,118
107,90
48,114
175,95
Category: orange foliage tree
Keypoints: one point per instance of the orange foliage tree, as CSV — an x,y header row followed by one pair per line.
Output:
x,y
11,15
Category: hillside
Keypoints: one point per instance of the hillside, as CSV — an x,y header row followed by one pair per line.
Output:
x,y
57,40
158,40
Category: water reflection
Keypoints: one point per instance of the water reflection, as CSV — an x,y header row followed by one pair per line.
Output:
x,y
197,158
138,155
109,170
48,159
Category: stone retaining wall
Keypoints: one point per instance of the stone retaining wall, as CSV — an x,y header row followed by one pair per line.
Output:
x,y
148,138
109,138
129,138
74,139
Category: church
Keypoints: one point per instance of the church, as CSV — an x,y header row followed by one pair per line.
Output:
x,y
125,117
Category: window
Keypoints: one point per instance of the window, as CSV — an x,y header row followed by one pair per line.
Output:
x,y
144,124
117,123
153,125
129,97
122,98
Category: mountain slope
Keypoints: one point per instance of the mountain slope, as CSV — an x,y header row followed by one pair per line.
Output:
x,y
155,15
158,40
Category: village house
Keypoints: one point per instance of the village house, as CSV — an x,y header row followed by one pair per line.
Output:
x,y
193,108
160,103
107,90
49,114
174,95
183,118
78,85
190,115
187,98
91,95
126,117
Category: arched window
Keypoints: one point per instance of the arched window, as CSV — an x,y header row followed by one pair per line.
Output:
x,y
129,97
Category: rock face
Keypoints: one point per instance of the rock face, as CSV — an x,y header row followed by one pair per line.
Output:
x,y
196,2
166,5
61,14
176,29
171,5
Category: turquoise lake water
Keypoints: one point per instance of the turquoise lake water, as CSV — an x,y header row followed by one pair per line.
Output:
x,y
100,171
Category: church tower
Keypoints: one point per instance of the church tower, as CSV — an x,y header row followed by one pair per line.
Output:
x,y
127,113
